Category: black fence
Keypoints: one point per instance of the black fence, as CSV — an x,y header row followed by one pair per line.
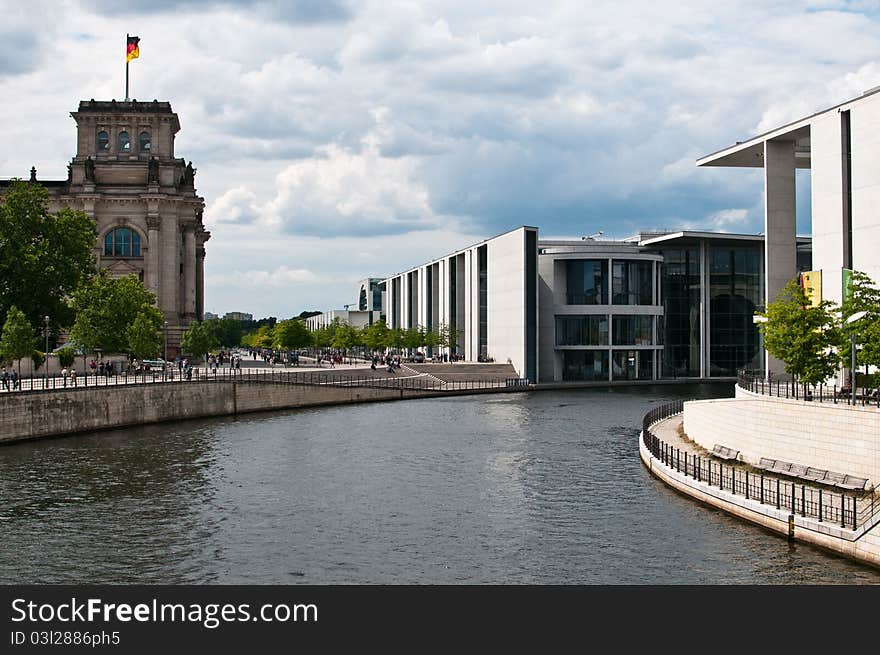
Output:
x,y
843,509
39,384
785,387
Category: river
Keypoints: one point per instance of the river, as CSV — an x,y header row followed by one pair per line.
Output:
x,y
543,487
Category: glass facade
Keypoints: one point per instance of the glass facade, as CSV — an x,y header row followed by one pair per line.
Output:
x,y
585,365
734,295
633,330
632,282
586,281
582,330
680,291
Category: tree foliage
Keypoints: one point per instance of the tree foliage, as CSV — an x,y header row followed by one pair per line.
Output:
x,y
291,335
18,338
144,337
66,356
106,307
199,339
865,297
43,256
804,337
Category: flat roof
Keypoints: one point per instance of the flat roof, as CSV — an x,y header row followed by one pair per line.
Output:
x,y
750,153
717,236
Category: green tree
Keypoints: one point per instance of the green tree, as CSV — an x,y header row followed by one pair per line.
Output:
x,y
106,307
344,337
448,337
397,339
144,337
804,337
291,335
198,339
43,256
66,356
18,337
865,296
38,357
376,336
227,331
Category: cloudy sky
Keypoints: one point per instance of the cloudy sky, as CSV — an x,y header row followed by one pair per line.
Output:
x,y
336,139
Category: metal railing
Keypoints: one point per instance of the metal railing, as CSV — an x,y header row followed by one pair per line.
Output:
x,y
38,384
785,387
848,510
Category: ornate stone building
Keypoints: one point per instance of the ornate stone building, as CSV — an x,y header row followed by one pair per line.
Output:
x,y
125,175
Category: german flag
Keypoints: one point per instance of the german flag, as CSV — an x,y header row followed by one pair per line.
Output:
x,y
131,48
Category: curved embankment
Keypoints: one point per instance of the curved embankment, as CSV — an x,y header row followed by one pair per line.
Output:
x,y
50,413
854,532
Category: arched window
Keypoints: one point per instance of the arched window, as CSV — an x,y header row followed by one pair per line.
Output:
x,y
144,142
122,242
124,142
103,141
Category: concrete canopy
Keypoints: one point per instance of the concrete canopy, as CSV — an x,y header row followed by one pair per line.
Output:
x,y
750,154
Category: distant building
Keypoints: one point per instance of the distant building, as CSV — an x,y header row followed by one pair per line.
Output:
x,y
209,316
125,175
238,316
354,318
371,295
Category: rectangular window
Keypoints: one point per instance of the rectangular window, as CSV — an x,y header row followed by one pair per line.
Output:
x,y
632,283
582,330
483,270
623,364
585,365
587,281
633,330
680,283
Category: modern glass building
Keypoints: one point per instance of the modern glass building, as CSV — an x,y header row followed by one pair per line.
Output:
x,y
659,305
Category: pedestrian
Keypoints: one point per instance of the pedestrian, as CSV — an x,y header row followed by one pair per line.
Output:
x,y
16,382
72,376
4,378
63,375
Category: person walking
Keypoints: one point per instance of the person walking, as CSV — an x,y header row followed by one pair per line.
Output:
x,y
4,378
72,376
63,376
16,382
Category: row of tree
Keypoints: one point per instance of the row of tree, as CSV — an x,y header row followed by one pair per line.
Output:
x,y
293,334
814,340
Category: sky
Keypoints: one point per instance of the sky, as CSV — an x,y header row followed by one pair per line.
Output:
x,y
336,140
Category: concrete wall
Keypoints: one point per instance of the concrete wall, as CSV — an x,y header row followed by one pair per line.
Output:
x,y
824,435
506,309
827,203
31,415
866,185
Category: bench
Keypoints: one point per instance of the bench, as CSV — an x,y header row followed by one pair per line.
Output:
x,y
724,452
814,474
781,467
797,470
766,463
853,483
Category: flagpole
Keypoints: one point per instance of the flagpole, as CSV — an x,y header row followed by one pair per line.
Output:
x,y
126,66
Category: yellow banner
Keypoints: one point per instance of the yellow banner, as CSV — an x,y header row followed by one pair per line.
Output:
x,y
811,281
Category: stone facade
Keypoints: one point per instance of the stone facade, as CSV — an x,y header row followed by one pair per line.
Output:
x,y
149,218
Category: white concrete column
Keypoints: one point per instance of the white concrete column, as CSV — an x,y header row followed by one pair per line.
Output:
x,y
780,220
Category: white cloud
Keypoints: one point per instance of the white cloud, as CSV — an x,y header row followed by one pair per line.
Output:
x,y
261,279
346,127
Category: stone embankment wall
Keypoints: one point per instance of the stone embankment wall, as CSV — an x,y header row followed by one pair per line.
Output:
x,y
824,435
32,415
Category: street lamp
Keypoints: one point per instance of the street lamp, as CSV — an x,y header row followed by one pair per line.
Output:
x,y
165,351
857,316
46,372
